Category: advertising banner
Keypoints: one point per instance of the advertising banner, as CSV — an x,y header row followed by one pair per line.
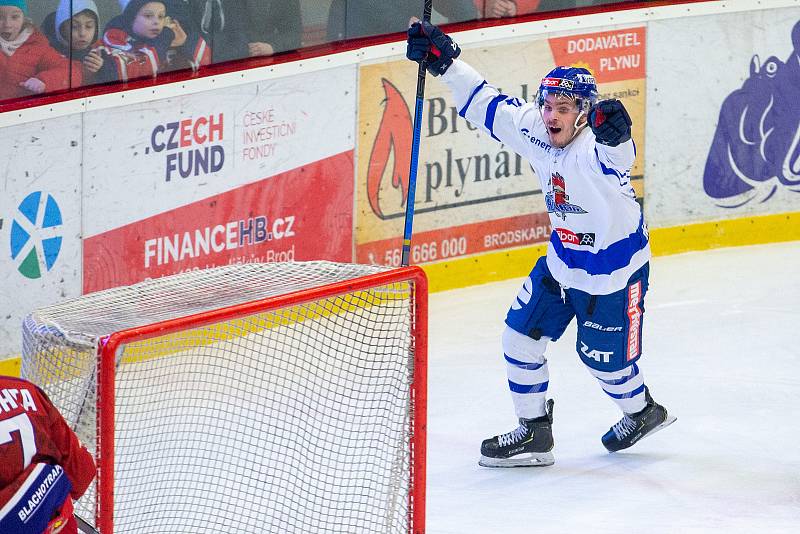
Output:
x,y
40,221
726,126
298,215
473,194
262,172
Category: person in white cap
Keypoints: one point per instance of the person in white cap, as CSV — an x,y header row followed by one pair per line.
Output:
x,y
73,31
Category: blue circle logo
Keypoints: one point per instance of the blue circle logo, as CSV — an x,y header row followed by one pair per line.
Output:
x,y
35,239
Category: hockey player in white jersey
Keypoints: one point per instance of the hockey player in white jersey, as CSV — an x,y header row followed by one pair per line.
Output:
x,y
597,264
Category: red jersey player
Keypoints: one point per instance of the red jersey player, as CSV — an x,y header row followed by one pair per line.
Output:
x,y
43,465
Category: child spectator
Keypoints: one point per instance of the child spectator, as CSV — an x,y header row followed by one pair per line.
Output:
x,y
144,41
76,36
28,64
196,50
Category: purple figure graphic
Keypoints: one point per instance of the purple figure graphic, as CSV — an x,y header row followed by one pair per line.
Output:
x,y
756,147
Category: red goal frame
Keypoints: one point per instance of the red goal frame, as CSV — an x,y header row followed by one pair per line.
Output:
x,y
108,346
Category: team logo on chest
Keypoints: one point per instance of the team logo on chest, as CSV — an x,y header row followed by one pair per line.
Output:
x,y
557,199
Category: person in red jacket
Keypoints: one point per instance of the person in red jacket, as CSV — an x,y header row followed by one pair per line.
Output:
x,y
147,39
44,466
28,64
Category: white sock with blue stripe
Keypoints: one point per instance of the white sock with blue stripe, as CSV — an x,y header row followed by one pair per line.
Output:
x,y
527,372
625,387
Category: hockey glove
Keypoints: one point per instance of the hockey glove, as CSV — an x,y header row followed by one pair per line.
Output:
x,y
610,122
429,43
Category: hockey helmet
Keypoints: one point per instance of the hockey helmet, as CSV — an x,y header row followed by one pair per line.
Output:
x,y
574,82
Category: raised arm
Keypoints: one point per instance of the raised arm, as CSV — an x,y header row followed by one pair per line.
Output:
x,y
505,118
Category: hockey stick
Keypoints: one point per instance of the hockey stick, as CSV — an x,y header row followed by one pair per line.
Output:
x,y
412,172
85,527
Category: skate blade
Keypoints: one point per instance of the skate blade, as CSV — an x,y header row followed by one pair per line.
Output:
x,y
668,421
532,459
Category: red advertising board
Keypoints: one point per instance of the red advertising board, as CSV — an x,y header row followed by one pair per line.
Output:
x,y
302,214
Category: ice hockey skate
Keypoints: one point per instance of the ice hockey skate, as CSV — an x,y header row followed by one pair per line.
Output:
x,y
633,427
529,445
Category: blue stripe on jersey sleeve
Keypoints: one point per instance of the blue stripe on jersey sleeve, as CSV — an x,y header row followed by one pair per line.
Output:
x,y
491,111
605,261
463,111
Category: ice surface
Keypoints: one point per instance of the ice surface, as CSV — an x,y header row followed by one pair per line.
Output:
x,y
721,351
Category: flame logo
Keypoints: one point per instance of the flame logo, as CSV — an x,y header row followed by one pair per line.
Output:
x,y
394,135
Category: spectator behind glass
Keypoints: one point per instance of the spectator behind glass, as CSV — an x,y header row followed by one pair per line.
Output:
x,y
76,37
495,9
271,26
138,40
348,19
195,51
248,28
28,64
144,41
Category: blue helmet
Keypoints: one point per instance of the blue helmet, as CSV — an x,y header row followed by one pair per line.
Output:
x,y
574,82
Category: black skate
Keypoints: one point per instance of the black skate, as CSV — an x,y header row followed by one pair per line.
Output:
x,y
527,446
631,428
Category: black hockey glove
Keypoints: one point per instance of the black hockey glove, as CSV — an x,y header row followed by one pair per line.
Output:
x,y
429,43
610,122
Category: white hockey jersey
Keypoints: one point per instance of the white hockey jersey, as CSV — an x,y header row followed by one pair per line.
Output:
x,y
599,236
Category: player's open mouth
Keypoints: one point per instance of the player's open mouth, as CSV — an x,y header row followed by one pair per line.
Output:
x,y
554,130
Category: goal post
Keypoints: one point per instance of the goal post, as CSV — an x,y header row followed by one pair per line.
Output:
x,y
250,398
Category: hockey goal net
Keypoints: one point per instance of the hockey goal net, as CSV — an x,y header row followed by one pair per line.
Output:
x,y
281,398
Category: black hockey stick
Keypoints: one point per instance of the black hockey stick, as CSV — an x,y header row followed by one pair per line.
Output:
x,y
412,172
85,527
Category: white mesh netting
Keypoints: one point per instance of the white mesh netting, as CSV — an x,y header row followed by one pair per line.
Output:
x,y
289,420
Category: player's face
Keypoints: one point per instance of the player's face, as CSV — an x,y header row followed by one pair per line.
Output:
x,y
12,19
150,20
559,113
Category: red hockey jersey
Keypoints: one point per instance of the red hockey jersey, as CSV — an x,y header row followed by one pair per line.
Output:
x,y
33,431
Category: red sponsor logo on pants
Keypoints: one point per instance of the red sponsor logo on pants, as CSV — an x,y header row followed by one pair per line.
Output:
x,y
634,319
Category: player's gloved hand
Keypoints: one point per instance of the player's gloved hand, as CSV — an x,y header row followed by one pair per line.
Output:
x,y
610,122
429,43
